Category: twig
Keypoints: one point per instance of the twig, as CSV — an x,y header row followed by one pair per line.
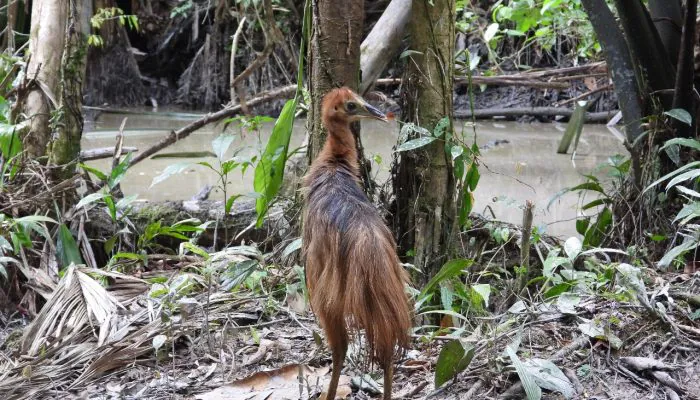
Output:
x,y
228,111
234,50
584,95
533,111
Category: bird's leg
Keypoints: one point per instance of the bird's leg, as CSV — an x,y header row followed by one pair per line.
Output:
x,y
338,359
388,377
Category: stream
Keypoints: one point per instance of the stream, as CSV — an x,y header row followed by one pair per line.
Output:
x,y
527,167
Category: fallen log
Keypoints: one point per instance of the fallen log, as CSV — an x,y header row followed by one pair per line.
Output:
x,y
591,117
103,152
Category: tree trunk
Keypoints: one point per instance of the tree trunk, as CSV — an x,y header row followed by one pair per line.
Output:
x,y
46,45
668,19
334,58
684,93
64,146
57,68
629,91
423,180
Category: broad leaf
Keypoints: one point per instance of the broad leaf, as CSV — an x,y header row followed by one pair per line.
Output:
x,y
416,143
532,390
67,248
450,269
454,358
572,247
221,144
548,376
170,170
270,170
681,115
484,291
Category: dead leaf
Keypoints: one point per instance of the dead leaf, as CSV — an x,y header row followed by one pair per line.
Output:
x,y
591,83
278,384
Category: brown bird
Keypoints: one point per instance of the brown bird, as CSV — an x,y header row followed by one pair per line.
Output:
x,y
353,274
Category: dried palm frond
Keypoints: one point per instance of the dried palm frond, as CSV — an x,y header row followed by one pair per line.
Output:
x,y
79,304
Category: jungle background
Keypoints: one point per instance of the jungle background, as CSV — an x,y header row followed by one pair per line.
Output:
x,y
540,176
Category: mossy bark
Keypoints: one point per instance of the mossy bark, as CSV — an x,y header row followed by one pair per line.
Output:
x,y
423,179
64,146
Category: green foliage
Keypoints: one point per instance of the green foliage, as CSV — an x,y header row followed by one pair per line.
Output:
x,y
454,358
110,14
16,235
542,22
464,158
683,182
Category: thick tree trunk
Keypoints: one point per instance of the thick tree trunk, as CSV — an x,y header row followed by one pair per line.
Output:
x,y
56,70
423,179
46,44
668,19
684,93
64,146
629,90
334,58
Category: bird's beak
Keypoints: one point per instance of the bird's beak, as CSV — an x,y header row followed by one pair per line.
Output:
x,y
373,112
368,111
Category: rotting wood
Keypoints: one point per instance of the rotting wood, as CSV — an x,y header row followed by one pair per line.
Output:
x,y
103,152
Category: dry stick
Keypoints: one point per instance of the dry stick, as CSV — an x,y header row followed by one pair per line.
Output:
x,y
528,216
234,50
228,111
584,95
104,152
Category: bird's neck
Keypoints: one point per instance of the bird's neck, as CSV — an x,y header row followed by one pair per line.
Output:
x,y
340,145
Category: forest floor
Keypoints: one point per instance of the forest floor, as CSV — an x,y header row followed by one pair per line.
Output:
x,y
261,345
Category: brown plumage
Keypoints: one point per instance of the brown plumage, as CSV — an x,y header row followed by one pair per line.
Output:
x,y
353,273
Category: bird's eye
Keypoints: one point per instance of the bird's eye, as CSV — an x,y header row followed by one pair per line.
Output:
x,y
351,107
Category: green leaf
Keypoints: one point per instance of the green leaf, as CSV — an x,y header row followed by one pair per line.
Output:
x,y
229,203
595,234
292,247
572,247
456,151
467,205
473,176
595,203
582,225
532,391
491,32
119,172
109,201
89,199
270,170
484,291
67,248
99,174
409,53
34,218
170,170
557,290
681,115
454,358
685,142
450,269
240,271
686,167
548,376
415,143
441,126
686,176
221,144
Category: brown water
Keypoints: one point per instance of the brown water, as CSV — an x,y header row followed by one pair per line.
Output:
x,y
526,168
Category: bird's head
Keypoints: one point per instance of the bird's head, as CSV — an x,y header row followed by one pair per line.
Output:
x,y
345,106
